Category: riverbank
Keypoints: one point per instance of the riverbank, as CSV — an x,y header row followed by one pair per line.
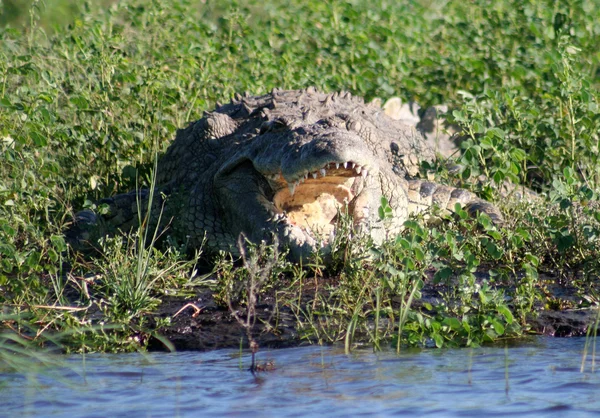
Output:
x,y
88,101
199,323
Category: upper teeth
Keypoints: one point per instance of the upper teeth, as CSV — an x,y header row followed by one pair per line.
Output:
x,y
363,171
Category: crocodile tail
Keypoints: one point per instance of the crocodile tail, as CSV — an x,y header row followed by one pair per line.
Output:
x,y
422,195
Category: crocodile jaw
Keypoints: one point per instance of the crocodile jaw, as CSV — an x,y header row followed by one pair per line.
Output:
x,y
315,205
314,202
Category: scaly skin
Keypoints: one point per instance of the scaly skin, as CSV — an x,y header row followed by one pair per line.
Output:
x,y
284,164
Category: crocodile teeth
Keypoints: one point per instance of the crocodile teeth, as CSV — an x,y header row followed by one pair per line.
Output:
x,y
292,187
346,164
357,169
323,172
352,165
314,175
305,176
280,218
364,173
337,165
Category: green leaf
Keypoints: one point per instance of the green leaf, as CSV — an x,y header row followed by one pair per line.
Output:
x,y
452,323
45,115
45,97
38,139
58,242
79,101
498,327
408,263
419,254
459,116
410,224
496,132
442,274
9,230
518,154
33,259
465,325
53,255
466,173
534,260
506,313
478,127
493,250
495,234
499,177
403,242
523,233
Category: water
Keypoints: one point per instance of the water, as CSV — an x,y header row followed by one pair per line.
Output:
x,y
540,378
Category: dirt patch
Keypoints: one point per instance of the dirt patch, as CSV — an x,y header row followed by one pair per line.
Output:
x,y
203,324
213,326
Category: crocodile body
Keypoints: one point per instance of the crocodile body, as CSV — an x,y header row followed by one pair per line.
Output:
x,y
285,164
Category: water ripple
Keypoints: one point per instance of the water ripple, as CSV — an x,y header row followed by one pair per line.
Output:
x,y
536,379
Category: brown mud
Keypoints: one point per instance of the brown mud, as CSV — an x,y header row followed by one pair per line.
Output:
x,y
200,323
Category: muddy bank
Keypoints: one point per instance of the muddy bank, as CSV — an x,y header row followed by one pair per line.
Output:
x,y
213,326
200,323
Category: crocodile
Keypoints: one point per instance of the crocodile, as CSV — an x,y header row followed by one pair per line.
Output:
x,y
283,166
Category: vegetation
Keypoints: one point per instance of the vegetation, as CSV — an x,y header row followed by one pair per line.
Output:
x,y
87,101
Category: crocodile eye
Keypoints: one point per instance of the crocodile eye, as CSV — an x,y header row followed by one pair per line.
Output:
x,y
353,125
326,123
275,125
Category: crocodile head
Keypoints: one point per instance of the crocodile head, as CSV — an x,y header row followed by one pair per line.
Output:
x,y
296,176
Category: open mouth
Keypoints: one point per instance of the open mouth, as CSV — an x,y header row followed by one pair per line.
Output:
x,y
314,201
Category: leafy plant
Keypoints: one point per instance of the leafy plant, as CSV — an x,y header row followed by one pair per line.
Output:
x,y
90,91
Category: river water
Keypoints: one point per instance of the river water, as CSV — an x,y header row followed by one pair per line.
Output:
x,y
538,378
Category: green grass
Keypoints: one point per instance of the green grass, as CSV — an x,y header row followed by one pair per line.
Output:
x,y
86,99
